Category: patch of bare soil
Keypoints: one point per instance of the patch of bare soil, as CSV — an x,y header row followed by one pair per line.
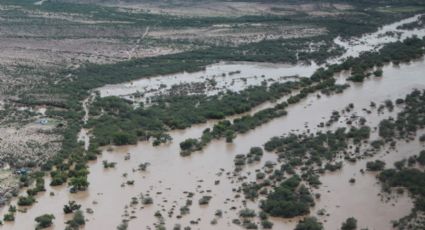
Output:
x,y
8,184
68,51
28,144
238,34
229,9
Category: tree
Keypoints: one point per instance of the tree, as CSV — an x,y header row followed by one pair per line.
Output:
x,y
78,183
44,221
9,217
188,144
376,165
349,224
26,200
77,221
230,135
288,200
309,223
71,207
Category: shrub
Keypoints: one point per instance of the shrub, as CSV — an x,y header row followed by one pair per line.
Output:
x,y
309,223
44,221
376,165
204,200
26,201
76,221
71,207
9,217
349,224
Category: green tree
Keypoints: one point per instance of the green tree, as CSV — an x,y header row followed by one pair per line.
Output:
x,y
79,183
349,224
309,223
44,221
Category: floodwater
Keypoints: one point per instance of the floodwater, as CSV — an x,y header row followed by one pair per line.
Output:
x,y
236,76
170,176
386,34
227,76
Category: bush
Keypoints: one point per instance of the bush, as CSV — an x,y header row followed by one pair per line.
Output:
x,y
309,223
189,144
26,201
9,217
77,221
247,213
204,200
421,158
266,224
71,207
147,200
44,221
376,165
378,73
288,200
349,224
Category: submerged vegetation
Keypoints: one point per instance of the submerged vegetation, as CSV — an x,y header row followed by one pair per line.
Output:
x,y
413,180
321,80
290,199
118,121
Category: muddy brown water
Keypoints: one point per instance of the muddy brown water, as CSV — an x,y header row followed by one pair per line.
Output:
x,y
170,175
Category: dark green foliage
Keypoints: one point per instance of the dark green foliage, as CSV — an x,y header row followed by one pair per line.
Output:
x,y
107,164
309,223
318,146
189,144
288,200
349,224
71,207
422,138
378,73
78,184
376,165
421,158
44,221
76,222
412,179
386,129
408,121
58,178
122,124
247,213
321,80
39,186
26,200
404,51
9,217
266,224
204,200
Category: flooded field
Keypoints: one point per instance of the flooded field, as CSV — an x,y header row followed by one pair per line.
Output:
x,y
227,76
240,75
169,175
386,34
169,178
